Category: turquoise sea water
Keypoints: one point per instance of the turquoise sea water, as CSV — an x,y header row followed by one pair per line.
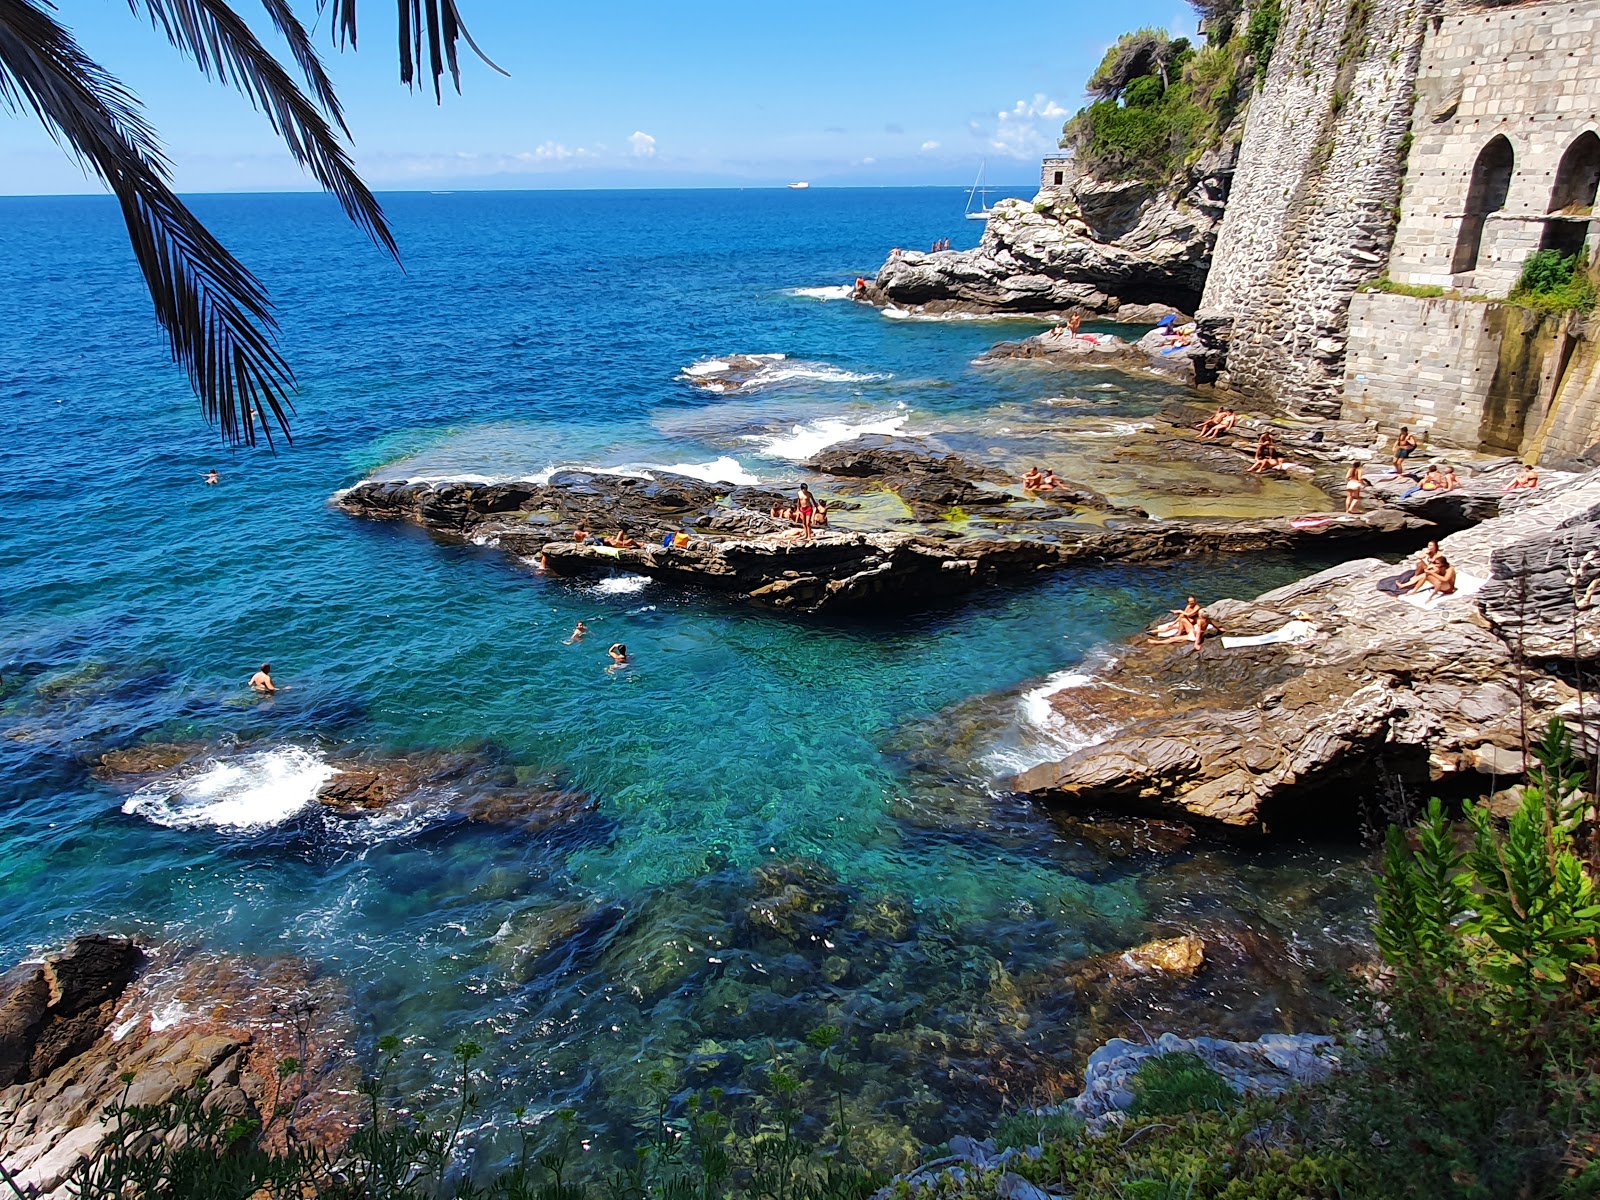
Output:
x,y
746,760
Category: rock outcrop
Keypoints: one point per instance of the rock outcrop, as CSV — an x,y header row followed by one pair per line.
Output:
x,y
741,552
1098,246
1247,734
76,1027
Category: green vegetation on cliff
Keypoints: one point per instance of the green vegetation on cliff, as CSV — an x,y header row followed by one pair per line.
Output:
x,y
1157,105
1555,284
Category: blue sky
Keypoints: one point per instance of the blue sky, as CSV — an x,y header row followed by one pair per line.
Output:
x,y
634,94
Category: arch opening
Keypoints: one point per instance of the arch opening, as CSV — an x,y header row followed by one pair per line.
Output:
x,y
1572,198
1491,185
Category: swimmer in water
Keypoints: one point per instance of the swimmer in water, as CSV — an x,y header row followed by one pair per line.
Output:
x,y
261,681
619,656
578,632
212,478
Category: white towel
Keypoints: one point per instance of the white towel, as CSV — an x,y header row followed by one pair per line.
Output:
x,y
1426,597
1294,631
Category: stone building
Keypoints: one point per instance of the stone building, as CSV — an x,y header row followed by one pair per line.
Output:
x,y
1057,171
1504,161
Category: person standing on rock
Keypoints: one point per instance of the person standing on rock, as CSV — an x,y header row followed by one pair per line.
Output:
x,y
1405,445
806,511
1354,481
1074,322
261,681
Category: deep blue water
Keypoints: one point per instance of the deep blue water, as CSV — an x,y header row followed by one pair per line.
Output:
x,y
526,331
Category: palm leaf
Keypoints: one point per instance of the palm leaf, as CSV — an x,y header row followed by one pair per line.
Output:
x,y
439,21
289,27
226,49
217,316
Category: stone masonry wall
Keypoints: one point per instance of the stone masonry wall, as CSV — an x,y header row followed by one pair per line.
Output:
x,y
1459,373
1311,213
1529,72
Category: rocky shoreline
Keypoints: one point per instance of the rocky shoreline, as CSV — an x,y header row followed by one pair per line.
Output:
x,y
1369,687
737,549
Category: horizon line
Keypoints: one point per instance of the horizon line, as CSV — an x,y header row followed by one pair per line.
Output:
x,y
424,191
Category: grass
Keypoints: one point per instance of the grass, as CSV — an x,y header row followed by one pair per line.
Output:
x,y
1172,1084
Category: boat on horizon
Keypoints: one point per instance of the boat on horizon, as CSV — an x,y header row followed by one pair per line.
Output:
x,y
798,185
979,190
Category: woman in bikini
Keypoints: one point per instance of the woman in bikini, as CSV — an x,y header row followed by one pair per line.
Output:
x,y
1354,481
1425,564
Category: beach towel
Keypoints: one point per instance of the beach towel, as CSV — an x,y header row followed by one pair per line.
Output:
x,y
1426,597
1312,522
1294,631
608,551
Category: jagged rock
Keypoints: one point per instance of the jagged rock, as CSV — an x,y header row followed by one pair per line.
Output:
x,y
1229,733
1093,246
52,1011
1171,956
1541,594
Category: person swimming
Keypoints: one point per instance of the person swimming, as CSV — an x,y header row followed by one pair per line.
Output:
x,y
619,656
262,682
579,632
212,478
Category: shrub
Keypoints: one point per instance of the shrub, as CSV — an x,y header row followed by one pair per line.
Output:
x,y
1555,284
1171,1084
1261,34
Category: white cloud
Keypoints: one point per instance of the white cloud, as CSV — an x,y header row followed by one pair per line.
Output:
x,y
930,145
1029,128
644,146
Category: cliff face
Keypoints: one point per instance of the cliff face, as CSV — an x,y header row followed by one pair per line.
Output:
x,y
1314,199
1091,244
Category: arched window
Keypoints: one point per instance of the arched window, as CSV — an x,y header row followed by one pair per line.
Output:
x,y
1572,198
1491,184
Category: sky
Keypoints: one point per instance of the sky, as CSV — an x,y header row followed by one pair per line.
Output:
x,y
630,93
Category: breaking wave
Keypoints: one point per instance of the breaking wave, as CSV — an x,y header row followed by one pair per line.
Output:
x,y
800,442
750,372
250,791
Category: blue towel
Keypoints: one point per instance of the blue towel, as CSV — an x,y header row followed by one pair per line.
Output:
x,y
1166,321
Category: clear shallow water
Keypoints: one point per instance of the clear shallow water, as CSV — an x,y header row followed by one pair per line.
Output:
x,y
665,930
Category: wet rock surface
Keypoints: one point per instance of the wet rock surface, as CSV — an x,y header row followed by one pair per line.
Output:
x,y
836,571
1249,734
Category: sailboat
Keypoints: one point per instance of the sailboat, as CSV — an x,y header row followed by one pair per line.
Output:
x,y
979,191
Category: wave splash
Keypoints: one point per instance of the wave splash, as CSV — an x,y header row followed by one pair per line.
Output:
x,y
832,292
252,791
800,442
751,372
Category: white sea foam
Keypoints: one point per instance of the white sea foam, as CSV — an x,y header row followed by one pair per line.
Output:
x,y
803,441
1120,429
895,313
1043,734
249,791
750,372
835,292
723,470
621,585
1035,703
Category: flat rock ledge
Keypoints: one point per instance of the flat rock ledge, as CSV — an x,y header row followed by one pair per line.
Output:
x,y
741,552
1378,688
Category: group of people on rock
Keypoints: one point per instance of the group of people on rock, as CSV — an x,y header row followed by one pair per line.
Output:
x,y
1433,571
807,512
1217,424
1042,481
941,244
1189,622
1069,327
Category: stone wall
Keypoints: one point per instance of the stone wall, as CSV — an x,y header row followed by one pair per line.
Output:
x,y
1495,378
1057,171
1311,213
1528,73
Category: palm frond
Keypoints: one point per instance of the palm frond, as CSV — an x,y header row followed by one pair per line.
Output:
x,y
439,21
217,316
305,55
226,49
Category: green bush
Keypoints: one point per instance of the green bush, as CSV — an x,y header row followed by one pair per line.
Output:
x,y
1171,1084
1555,284
1261,34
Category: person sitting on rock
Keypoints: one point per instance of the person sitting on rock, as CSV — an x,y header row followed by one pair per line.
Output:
x,y
1189,622
820,517
1433,480
1451,479
1050,483
621,541
1205,427
1526,482
1425,564
1267,456
581,534
1033,480
1442,578
1218,424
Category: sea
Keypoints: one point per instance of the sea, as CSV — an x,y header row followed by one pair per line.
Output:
x,y
791,822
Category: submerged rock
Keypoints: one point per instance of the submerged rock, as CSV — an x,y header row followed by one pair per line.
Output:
x,y
147,759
